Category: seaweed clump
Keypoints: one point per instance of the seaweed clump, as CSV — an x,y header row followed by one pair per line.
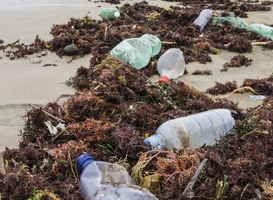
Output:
x,y
221,88
261,86
238,61
108,120
240,44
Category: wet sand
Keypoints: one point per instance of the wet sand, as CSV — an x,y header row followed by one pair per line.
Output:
x,y
23,83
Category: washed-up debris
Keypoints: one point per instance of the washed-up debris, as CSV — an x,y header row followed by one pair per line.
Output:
x,y
46,65
257,97
237,61
202,72
71,49
171,65
118,108
36,61
221,88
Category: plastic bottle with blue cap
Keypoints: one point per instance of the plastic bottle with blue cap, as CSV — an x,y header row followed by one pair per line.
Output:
x,y
108,181
192,131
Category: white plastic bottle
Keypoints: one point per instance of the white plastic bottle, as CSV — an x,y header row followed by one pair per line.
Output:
x,y
108,181
171,65
192,131
203,18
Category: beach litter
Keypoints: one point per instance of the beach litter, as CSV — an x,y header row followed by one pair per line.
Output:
x,y
257,97
117,108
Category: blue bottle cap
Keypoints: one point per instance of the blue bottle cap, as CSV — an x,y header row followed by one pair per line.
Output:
x,y
83,161
153,142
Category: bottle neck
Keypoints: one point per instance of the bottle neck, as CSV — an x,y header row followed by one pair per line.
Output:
x,y
153,142
83,161
164,79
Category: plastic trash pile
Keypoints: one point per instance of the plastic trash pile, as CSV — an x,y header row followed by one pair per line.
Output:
x,y
117,109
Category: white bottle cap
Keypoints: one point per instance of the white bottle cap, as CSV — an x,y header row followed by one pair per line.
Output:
x,y
117,14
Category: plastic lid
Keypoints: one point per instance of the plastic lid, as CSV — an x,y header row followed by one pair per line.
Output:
x,y
117,14
83,161
153,142
163,79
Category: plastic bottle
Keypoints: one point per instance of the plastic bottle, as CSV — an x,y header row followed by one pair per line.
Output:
x,y
192,131
137,51
234,21
171,65
263,30
109,13
107,181
203,18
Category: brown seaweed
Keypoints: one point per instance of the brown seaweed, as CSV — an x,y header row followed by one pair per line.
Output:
x,y
116,107
221,88
238,61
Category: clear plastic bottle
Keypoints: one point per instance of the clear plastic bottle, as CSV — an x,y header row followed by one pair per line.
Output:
x,y
108,181
109,13
203,18
192,131
171,65
137,51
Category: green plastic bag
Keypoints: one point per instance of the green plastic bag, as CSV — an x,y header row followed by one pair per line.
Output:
x,y
137,51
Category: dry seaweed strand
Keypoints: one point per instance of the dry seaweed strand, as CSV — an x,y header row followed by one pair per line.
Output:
x,y
238,89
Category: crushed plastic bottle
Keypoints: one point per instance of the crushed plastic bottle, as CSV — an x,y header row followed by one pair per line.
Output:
x,y
192,131
109,13
171,65
137,51
263,30
203,18
108,181
234,21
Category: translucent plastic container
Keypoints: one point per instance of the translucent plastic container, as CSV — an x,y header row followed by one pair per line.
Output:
x,y
192,131
203,18
109,13
171,65
234,21
137,51
263,30
107,181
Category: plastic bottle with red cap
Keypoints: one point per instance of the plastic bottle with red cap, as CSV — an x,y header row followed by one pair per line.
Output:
x,y
108,181
171,65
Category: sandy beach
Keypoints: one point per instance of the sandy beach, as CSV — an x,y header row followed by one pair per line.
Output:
x,y
24,81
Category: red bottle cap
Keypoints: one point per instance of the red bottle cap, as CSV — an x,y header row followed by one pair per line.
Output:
x,y
163,79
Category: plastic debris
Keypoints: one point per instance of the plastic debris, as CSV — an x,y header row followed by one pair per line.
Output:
x,y
257,97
